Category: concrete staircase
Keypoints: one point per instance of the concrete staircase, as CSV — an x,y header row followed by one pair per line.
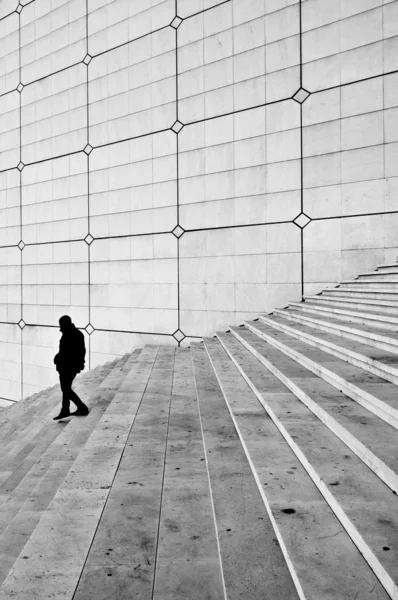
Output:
x,y
258,464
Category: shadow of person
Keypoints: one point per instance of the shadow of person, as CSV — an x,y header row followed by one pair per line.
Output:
x,y
69,362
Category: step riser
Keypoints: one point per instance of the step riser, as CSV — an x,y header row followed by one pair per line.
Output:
x,y
370,295
345,304
371,285
318,311
369,556
387,269
372,366
392,276
371,403
370,341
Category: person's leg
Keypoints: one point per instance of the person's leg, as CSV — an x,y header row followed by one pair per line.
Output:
x,y
81,407
65,380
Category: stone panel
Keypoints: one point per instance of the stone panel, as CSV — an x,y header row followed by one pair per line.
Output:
x,y
227,275
54,200
54,115
133,187
115,22
134,284
55,282
241,169
132,89
10,230
9,51
53,36
10,357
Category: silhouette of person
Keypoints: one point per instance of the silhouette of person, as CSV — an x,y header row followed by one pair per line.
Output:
x,y
69,362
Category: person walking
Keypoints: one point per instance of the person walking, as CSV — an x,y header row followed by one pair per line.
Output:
x,y
69,362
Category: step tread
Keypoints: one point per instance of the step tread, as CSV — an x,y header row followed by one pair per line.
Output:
x,y
374,332
363,291
362,379
363,498
286,485
328,300
393,318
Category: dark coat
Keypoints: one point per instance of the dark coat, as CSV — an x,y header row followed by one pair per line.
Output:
x,y
72,351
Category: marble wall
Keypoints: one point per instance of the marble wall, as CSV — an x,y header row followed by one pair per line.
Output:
x,y
170,167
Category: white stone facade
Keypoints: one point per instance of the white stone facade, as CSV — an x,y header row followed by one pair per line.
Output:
x,y
170,167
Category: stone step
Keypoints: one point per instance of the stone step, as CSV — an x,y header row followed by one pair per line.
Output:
x,y
364,505
39,423
5,404
302,518
379,275
247,538
54,554
24,504
348,292
381,321
379,362
361,333
369,437
370,284
39,404
379,306
392,268
373,393
20,474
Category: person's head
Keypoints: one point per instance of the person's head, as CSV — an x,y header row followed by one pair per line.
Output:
x,y
65,323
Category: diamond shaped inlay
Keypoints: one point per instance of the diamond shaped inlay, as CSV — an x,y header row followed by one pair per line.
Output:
x,y
89,239
177,126
20,87
21,324
176,22
21,245
301,95
302,220
20,166
19,8
87,59
89,328
178,231
179,335
87,149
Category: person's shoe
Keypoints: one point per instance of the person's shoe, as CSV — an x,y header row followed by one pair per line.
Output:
x,y
62,415
82,411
